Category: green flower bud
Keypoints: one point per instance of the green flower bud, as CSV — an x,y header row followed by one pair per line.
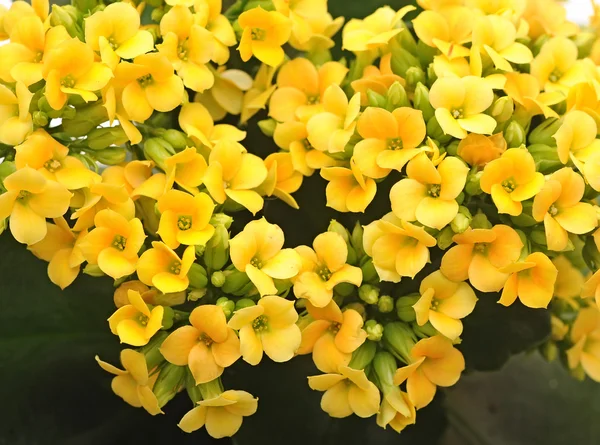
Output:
x,y
3,225
538,236
543,133
267,126
578,373
585,41
590,254
216,253
227,305
385,304
358,307
217,278
402,60
368,293
171,379
158,150
444,237
235,282
87,160
376,99
414,76
68,112
480,221
93,270
177,139
461,221
196,294
374,330
157,14
197,276
385,366
168,316
221,219
426,54
514,134
145,207
434,131
111,155
421,102
193,390
86,120
356,240
425,331
452,148
369,272
151,350
69,17
539,43
524,219
244,303
396,97
85,6
363,356
431,75
399,339
545,157
404,307
549,350
406,39
40,119
473,186
502,109
336,227
7,168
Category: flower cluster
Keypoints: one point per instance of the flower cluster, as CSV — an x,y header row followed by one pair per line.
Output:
x,y
476,123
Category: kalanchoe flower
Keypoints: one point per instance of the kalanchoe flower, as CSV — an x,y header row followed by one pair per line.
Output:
x,y
136,322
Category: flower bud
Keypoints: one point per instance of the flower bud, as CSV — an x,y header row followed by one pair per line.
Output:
x,y
157,14
524,219
538,236
376,99
217,279
235,282
549,351
40,119
385,304
158,150
216,253
452,149
544,132
374,330
514,134
197,276
399,339
343,290
358,307
244,303
87,160
168,318
368,270
177,139
402,60
414,76
211,389
421,101
473,185
7,168
68,112
221,219
170,380
158,298
3,225
336,227
363,356
368,293
356,240
227,305
584,40
480,221
86,120
396,97
93,270
69,17
406,39
444,237
502,109
111,155
196,294
434,131
267,126
590,254
545,157
425,331
404,307
462,220
385,366
120,295
151,350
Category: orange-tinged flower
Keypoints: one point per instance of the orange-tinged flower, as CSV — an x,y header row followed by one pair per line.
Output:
x,y
398,248
585,335
233,173
133,384
186,168
477,149
390,140
443,303
29,199
429,194
221,415
48,156
114,244
332,336
435,362
269,326
348,189
349,392
263,34
524,89
301,88
206,347
257,250
324,268
480,254
136,322
460,104
283,179
447,29
60,248
185,218
558,205
196,121
512,179
15,120
162,268
69,68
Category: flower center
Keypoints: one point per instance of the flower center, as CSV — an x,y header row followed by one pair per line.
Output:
x,y
394,144
433,190
307,145
145,80
481,248
38,57
457,113
68,81
312,100
23,194
258,34
112,42
435,304
119,242
184,222
334,327
260,323
204,338
142,319
555,76
553,210
182,51
175,267
324,273
256,262
52,165
509,185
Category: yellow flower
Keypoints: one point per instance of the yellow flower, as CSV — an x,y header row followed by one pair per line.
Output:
x,y
206,347
569,282
584,97
301,89
15,120
556,66
460,104
162,268
532,280
133,384
480,254
114,244
186,168
330,130
429,194
477,149
497,36
447,29
233,173
19,10
132,175
185,218
221,415
188,48
558,205
69,68
348,190
136,323
61,249
576,138
390,140
512,179
585,336
149,84
256,98
332,336
257,250
524,89
29,199
324,268
388,415
98,196
544,17
374,31
591,288
112,97
227,93
196,121
292,136
208,15
443,303
263,34
349,392
269,326
48,156
376,79
115,33
435,362
398,248
283,179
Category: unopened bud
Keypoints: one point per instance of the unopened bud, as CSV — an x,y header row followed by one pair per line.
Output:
x,y
385,304
363,356
502,109
425,331
170,380
336,227
376,99
40,119
69,17
267,126
216,253
434,131
414,76
197,276
168,318
157,14
396,97
421,101
404,307
357,240
374,330
402,61
86,120
514,134
480,221
111,155
227,305
538,236
176,139
244,303
221,219
399,339
93,270
235,282
217,279
462,220
473,185
368,270
158,150
444,237
545,157
544,132
358,307
368,293
196,294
